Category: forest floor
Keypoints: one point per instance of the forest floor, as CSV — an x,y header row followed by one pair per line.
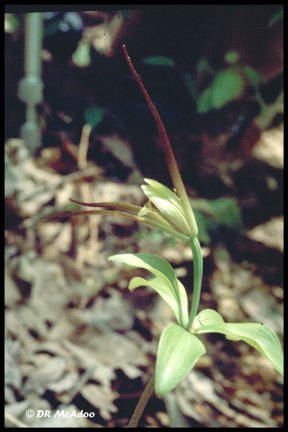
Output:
x,y
77,340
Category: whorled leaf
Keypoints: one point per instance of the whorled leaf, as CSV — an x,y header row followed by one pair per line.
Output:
x,y
178,352
163,290
259,336
164,272
207,317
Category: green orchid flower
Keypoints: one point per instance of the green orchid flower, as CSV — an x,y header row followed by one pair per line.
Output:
x,y
169,206
163,211
148,214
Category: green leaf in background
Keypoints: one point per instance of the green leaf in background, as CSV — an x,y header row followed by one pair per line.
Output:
x,y
94,115
204,103
190,84
227,86
204,67
204,226
212,215
254,76
11,23
226,212
278,16
162,270
158,61
259,336
231,57
178,352
163,290
81,56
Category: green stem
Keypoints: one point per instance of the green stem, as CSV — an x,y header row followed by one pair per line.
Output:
x,y
147,393
198,272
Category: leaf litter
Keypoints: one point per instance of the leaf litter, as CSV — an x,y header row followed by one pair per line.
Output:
x,y
77,339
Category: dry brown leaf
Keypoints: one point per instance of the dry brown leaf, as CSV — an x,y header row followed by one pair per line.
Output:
x,y
271,233
270,148
13,377
113,313
42,377
261,307
64,384
101,398
69,419
12,294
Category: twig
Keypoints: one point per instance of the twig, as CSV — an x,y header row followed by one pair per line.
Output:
x,y
83,146
14,420
83,380
87,172
85,190
82,160
73,177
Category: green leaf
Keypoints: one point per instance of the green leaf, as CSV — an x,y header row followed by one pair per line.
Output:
x,y
204,66
94,115
278,16
163,290
227,213
204,224
155,264
81,56
160,268
259,336
214,215
254,76
159,61
204,103
227,86
207,317
231,57
190,83
178,352
11,23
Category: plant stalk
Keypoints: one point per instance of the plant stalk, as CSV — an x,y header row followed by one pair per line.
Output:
x,y
198,272
147,393
168,152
